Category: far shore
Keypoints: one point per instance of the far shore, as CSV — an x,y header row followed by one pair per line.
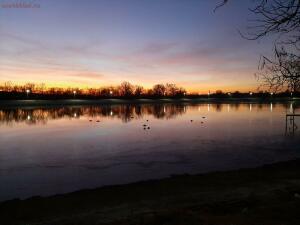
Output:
x,y
265,195
65,102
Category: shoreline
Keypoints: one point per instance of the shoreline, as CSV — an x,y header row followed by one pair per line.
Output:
x,y
269,194
71,102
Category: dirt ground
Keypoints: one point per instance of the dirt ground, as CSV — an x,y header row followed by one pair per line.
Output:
x,y
269,195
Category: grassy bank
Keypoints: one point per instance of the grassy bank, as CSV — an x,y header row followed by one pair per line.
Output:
x,y
24,103
265,195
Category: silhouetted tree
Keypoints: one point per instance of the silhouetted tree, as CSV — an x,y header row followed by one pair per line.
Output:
x,y
274,17
171,89
281,18
105,92
138,91
159,90
282,72
181,92
150,92
30,87
40,88
7,86
126,89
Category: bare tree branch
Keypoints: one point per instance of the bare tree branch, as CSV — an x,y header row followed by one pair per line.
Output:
x,y
220,5
281,73
282,18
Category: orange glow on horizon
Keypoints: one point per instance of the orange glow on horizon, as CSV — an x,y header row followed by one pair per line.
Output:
x,y
87,79
203,89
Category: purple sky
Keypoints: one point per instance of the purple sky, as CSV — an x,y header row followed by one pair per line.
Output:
x,y
104,42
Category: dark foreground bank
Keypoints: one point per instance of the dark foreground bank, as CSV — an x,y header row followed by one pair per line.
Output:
x,y
267,195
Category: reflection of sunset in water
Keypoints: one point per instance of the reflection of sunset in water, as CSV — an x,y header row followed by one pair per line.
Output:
x,y
126,113
64,149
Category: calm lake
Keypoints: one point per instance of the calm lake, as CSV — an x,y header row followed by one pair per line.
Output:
x,y
44,151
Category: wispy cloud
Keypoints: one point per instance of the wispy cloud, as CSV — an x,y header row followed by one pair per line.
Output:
x,y
91,62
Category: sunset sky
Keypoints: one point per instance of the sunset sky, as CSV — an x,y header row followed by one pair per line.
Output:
x,y
104,42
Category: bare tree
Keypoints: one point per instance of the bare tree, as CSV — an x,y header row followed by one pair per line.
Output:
x,y
181,91
277,17
40,88
159,90
220,5
281,73
281,18
30,87
171,89
105,92
7,86
138,90
126,89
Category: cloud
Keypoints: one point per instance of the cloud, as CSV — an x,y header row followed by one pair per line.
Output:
x,y
157,48
22,52
91,62
85,75
156,54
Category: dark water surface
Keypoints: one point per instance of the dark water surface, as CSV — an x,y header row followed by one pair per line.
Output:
x,y
45,151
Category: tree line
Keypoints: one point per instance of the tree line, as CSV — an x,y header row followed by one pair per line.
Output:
x,y
125,89
8,90
124,112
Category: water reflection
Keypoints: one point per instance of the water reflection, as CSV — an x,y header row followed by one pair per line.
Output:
x,y
291,117
125,112
66,152
291,108
271,107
